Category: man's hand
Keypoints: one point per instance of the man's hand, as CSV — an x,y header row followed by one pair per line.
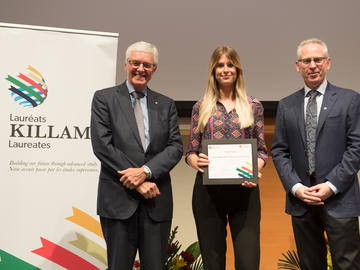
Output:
x,y
321,191
305,194
148,189
132,177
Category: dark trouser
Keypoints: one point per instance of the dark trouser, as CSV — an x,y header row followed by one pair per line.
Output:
x,y
124,237
343,237
213,206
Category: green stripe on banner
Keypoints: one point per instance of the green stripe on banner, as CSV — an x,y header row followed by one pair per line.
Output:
x,y
25,87
10,262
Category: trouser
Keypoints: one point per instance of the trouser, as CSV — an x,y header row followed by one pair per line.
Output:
x,y
343,237
213,207
139,232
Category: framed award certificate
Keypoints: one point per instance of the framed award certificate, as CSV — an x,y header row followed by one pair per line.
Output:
x,y
232,161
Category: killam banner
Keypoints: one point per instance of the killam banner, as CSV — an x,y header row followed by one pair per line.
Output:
x,y
49,175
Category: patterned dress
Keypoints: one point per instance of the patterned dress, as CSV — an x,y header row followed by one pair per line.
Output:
x,y
224,125
216,205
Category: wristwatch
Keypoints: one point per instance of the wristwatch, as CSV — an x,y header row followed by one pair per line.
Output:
x,y
147,172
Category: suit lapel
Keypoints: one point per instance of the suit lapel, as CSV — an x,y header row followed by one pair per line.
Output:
x,y
299,112
153,111
127,109
327,104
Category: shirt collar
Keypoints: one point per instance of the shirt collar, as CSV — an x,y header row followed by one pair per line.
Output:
x,y
321,89
132,89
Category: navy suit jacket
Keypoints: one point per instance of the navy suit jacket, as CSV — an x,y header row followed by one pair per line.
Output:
x,y
337,151
116,143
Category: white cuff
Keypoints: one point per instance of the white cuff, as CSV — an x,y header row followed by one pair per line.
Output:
x,y
333,188
295,188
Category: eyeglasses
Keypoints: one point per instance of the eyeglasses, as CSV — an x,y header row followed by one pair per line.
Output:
x,y
317,60
137,64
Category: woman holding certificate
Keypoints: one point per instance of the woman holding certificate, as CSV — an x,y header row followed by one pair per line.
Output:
x,y
226,112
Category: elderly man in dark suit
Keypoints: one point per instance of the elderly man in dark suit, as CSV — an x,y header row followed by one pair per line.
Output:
x,y
135,135
316,151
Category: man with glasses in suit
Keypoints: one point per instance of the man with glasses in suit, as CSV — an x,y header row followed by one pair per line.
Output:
x,y
316,151
135,135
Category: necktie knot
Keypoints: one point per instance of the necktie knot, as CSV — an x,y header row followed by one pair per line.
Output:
x,y
313,94
137,95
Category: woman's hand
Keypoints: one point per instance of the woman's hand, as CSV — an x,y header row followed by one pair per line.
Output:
x,y
247,184
198,161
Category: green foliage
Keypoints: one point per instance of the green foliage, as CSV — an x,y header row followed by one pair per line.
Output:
x,y
290,262
194,249
329,261
190,259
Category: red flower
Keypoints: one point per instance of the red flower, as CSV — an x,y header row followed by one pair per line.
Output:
x,y
188,257
136,264
187,268
171,248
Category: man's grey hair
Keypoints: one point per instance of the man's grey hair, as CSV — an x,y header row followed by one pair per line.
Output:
x,y
312,40
143,46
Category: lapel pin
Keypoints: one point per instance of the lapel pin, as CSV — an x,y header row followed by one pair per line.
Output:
x,y
325,108
156,102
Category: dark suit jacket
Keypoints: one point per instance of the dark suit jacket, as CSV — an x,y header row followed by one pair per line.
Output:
x,y
116,143
337,149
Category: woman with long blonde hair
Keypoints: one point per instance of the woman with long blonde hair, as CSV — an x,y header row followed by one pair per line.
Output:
x,y
226,112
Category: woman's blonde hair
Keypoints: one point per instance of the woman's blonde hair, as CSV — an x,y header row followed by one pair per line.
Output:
x,y
212,94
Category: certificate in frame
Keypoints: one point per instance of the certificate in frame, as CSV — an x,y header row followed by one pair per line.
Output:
x,y
232,161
